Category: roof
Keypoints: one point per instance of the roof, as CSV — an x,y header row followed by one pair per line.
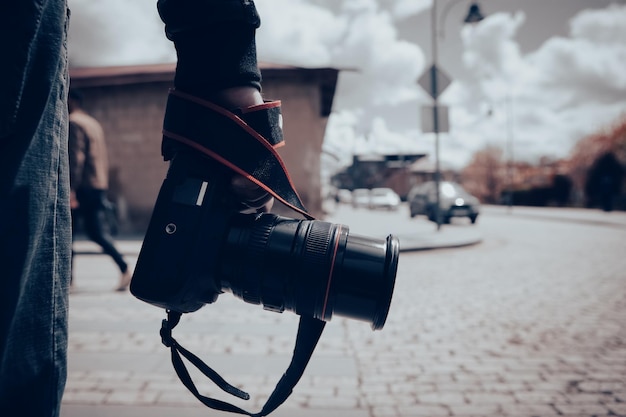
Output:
x,y
121,75
426,165
86,77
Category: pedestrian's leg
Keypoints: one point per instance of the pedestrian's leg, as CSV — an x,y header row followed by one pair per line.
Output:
x,y
94,222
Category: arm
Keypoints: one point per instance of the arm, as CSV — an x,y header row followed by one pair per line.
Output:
x,y
217,61
216,48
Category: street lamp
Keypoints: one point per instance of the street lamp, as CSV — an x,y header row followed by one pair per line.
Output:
x,y
474,15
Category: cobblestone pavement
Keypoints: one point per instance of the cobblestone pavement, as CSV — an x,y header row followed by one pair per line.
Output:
x,y
532,322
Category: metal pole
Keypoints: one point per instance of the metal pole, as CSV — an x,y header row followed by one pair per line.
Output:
x,y
435,111
510,156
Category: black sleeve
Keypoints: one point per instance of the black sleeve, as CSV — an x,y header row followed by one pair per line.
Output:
x,y
215,43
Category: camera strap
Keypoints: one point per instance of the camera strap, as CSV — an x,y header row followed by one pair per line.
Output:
x,y
244,141
309,332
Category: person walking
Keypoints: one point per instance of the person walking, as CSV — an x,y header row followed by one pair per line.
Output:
x,y
89,182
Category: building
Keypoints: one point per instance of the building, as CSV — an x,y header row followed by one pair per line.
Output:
x,y
130,102
370,171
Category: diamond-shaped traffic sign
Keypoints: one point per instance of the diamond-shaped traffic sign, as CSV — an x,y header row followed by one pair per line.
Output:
x,y
434,81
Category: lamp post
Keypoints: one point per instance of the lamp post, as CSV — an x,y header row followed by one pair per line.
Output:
x,y
474,15
509,142
506,178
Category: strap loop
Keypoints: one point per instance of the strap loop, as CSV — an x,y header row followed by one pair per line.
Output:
x,y
167,326
166,334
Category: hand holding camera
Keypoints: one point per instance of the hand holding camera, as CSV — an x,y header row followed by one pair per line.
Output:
x,y
202,241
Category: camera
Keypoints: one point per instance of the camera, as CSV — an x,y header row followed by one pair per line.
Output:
x,y
199,245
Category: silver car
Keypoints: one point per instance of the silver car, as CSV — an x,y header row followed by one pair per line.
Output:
x,y
361,197
454,201
384,198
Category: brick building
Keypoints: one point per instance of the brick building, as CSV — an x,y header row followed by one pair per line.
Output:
x,y
130,102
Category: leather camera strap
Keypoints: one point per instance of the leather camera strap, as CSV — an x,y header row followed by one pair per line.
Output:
x,y
234,140
245,142
309,332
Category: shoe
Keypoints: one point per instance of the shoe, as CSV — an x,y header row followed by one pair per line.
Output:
x,y
124,281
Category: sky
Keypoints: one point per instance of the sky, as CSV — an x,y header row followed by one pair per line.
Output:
x,y
533,77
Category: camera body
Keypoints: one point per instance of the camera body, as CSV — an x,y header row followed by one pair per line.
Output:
x,y
176,266
199,245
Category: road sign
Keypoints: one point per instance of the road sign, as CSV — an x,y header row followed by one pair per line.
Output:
x,y
428,119
441,78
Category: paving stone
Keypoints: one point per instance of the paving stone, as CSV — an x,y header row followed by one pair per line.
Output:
x,y
617,408
423,410
582,409
476,409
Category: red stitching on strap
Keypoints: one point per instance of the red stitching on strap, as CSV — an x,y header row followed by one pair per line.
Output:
x,y
235,118
266,105
235,168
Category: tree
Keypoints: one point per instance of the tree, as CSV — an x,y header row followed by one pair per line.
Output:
x,y
485,175
589,154
604,181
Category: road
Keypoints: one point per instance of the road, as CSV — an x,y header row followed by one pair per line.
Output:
x,y
531,322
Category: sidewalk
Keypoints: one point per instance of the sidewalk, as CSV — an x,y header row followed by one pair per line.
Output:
x,y
118,367
568,214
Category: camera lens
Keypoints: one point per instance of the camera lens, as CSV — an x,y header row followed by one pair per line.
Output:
x,y
310,267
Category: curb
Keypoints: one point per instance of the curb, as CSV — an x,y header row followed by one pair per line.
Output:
x,y
410,244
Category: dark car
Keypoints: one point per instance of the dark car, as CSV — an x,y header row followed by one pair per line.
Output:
x,y
454,201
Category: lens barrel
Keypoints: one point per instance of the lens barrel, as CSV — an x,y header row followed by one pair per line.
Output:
x,y
310,267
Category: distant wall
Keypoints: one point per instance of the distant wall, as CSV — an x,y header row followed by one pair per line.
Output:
x,y
132,115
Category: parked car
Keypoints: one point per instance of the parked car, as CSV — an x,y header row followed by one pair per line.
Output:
x,y
361,197
344,196
454,201
384,198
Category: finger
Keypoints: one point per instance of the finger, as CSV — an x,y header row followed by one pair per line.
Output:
x,y
249,193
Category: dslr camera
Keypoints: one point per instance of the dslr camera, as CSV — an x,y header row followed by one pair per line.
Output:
x,y
199,245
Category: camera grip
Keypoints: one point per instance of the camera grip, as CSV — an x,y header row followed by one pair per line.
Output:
x,y
175,266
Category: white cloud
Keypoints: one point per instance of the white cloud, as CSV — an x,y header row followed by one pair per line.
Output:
x,y
298,33
580,80
361,37
491,54
387,67
602,26
590,63
547,100
117,32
